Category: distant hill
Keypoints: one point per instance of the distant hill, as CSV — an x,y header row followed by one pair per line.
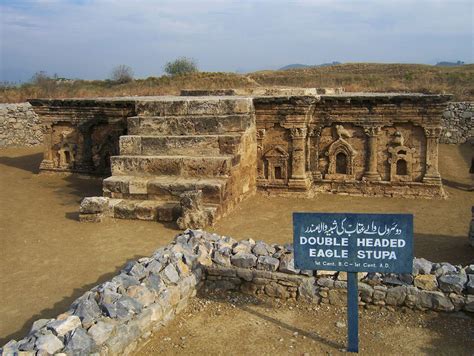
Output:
x,y
450,64
370,77
298,65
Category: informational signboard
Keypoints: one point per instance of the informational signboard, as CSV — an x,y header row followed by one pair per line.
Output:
x,y
353,242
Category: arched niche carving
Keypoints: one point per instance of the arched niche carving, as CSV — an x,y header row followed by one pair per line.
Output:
x,y
341,160
401,163
276,165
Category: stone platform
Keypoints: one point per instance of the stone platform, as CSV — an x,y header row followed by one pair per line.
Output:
x,y
226,146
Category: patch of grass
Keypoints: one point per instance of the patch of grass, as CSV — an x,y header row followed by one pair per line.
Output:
x,y
369,77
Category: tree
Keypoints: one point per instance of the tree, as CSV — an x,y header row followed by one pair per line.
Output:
x,y
122,74
180,66
44,82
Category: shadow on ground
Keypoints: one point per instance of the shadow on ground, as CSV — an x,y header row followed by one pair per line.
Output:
x,y
29,163
62,305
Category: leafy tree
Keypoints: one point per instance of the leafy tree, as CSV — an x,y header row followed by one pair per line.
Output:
x,y
180,66
122,74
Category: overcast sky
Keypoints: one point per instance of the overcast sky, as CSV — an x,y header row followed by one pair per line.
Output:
x,y
87,38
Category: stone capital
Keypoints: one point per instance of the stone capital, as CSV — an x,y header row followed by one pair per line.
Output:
x,y
298,132
372,131
432,132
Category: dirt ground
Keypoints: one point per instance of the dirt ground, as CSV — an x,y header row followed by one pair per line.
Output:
x,y
48,258
236,324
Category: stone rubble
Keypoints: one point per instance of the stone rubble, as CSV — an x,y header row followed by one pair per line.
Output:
x,y
115,316
19,126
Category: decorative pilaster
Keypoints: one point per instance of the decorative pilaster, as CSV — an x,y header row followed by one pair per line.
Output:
x,y
260,164
86,161
298,179
431,172
371,172
48,159
315,169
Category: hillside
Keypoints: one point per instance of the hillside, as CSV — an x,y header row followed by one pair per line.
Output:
x,y
370,77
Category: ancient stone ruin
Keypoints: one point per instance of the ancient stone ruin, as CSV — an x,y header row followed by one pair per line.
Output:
x,y
228,146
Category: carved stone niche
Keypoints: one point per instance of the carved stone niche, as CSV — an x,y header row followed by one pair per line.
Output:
x,y
341,160
400,160
276,165
65,148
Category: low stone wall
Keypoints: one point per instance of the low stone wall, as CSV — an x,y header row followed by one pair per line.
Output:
x,y
114,317
19,126
458,122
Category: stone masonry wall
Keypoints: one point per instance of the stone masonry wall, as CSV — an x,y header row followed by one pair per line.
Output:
x,y
458,122
19,126
113,317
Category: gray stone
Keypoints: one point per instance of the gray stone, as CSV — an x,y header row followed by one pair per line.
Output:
x,y
452,282
125,281
49,343
62,327
87,310
242,247
444,268
396,295
154,267
222,256
100,332
135,269
142,294
244,260
366,292
93,205
27,344
267,263
470,269
287,264
308,291
421,266
38,324
470,284
169,274
10,348
263,249
79,342
435,300
325,282
155,283
469,306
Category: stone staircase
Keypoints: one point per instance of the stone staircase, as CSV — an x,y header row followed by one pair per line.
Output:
x,y
179,145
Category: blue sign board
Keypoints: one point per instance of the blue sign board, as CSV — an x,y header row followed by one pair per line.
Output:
x,y
353,242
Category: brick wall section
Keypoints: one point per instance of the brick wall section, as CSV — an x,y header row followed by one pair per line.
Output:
x,y
458,122
115,316
19,126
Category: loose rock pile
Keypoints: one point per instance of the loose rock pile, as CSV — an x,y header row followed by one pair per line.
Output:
x,y
114,316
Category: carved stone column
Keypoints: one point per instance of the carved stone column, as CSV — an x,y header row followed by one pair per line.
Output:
x,y
298,179
371,172
260,163
314,168
431,172
48,159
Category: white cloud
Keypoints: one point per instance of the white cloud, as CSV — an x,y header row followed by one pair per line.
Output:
x,y
86,38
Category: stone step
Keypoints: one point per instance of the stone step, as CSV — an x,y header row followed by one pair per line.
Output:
x,y
183,166
153,210
182,106
188,125
164,188
205,145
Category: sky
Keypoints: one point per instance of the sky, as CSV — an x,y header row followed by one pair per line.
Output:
x,y
87,38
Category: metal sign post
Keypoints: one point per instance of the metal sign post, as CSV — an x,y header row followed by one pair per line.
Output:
x,y
353,243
